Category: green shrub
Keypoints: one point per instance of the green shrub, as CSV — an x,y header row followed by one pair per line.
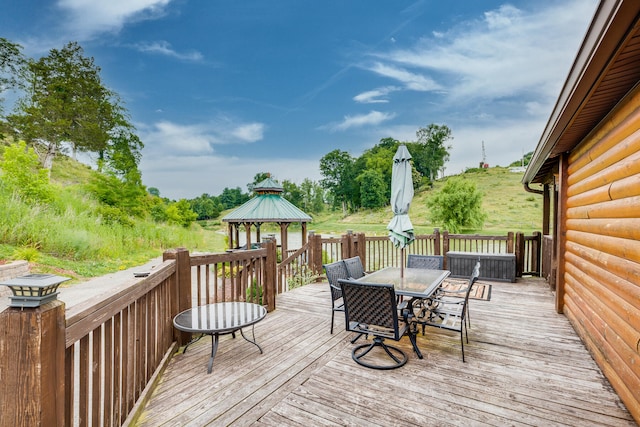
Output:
x,y
23,175
458,204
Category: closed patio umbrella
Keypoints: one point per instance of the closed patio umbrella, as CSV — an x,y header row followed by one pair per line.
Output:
x,y
400,227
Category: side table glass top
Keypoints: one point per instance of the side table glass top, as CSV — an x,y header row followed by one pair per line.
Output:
x,y
220,317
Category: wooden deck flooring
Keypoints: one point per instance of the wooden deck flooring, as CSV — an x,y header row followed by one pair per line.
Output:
x,y
524,366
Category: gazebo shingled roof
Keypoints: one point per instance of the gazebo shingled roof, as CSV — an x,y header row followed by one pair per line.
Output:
x,y
267,205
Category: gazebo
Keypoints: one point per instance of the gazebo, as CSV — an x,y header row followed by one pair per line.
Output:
x,y
267,205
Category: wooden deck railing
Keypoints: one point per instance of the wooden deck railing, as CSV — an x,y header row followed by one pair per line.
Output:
x,y
94,364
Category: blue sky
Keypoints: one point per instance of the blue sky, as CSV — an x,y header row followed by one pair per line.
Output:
x,y
221,90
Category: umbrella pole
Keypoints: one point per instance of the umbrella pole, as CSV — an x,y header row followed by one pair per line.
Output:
x,y
402,262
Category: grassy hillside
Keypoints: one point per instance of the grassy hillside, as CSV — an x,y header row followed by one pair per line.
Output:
x,y
507,205
70,236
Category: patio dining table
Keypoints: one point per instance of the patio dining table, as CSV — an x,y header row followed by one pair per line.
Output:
x,y
418,283
415,283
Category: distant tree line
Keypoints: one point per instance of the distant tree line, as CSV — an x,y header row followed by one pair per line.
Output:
x,y
365,182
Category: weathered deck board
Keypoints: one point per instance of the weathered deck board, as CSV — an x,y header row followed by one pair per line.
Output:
x,y
525,366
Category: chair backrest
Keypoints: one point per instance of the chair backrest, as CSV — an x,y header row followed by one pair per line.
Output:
x,y
355,267
472,279
336,270
431,262
370,308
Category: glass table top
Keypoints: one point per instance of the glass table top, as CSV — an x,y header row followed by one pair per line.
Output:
x,y
219,317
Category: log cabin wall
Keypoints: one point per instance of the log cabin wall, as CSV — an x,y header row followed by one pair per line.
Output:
x,y
602,258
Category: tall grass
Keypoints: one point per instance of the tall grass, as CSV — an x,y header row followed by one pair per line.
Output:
x,y
70,235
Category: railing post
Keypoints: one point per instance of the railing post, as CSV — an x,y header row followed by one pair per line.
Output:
x,y
519,252
436,241
32,353
346,245
510,243
183,288
271,275
361,249
445,247
536,255
315,253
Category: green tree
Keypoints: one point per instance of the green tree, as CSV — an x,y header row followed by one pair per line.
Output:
x,y
66,102
11,64
232,197
337,169
457,205
257,179
122,156
430,151
292,193
206,206
180,213
312,196
373,190
23,175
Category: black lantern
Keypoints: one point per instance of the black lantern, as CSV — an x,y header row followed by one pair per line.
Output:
x,y
34,290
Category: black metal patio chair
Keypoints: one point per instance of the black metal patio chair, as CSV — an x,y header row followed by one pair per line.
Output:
x,y
432,262
371,308
355,267
336,270
450,313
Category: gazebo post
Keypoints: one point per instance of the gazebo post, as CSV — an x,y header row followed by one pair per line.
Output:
x,y
283,238
304,233
258,224
247,227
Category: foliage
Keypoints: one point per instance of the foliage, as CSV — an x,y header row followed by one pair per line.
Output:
x,y
22,174
257,179
66,102
206,207
232,197
130,198
180,213
302,275
70,232
430,152
373,189
337,169
524,161
11,63
312,196
26,253
254,293
292,192
122,156
458,204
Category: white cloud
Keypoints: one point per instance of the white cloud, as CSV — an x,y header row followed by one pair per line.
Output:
x,y
250,132
508,53
375,96
197,139
373,118
164,48
90,17
410,80
178,139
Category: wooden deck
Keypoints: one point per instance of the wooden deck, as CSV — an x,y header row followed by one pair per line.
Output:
x,y
525,366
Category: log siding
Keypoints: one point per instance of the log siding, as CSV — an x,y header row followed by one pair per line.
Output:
x,y
601,280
